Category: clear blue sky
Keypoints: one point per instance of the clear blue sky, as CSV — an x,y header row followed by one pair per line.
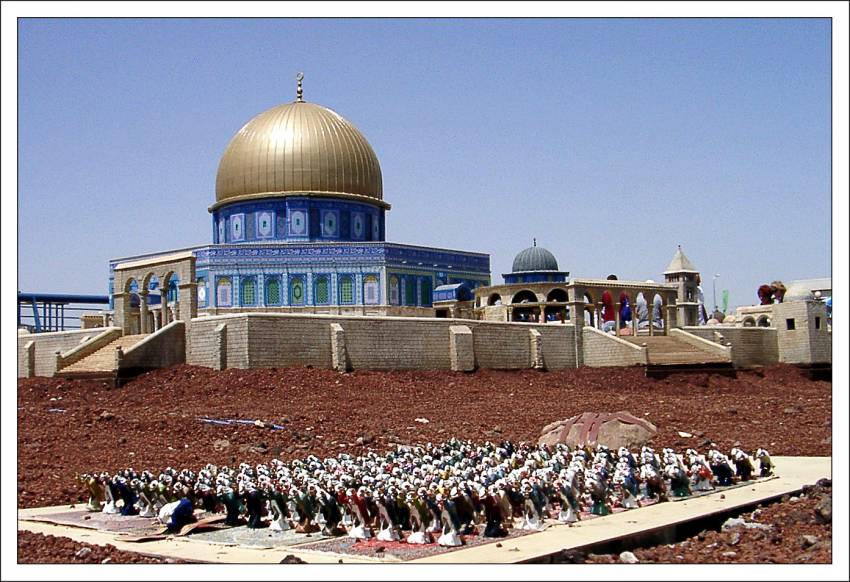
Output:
x,y
610,141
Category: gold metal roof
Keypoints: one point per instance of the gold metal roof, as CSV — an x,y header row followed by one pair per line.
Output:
x,y
298,148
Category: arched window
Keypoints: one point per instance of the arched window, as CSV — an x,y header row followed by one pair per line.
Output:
x,y
249,291
410,291
202,291
558,295
172,294
524,296
395,298
494,299
346,290
223,292
371,295
296,291
322,290
425,292
273,291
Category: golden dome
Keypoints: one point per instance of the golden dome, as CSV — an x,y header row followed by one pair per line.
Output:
x,y
298,148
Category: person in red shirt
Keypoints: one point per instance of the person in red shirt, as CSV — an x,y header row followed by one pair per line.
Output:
x,y
608,317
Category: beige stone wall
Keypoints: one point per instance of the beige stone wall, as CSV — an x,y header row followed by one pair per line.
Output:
x,y
751,346
603,350
166,347
46,346
804,344
202,348
375,343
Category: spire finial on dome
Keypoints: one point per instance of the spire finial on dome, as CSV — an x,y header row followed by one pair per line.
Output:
x,y
534,241
299,91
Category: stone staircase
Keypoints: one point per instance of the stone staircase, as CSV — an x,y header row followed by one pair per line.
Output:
x,y
665,349
100,364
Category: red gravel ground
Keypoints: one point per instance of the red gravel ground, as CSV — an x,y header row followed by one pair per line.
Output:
x,y
797,534
36,548
152,421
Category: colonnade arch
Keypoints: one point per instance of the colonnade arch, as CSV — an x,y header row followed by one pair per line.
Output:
x,y
174,287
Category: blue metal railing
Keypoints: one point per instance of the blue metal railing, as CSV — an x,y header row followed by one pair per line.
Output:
x,y
42,312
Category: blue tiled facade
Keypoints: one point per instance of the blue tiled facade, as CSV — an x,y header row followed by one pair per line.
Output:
x,y
298,219
323,274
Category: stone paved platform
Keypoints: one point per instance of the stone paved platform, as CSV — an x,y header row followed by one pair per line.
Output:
x,y
794,472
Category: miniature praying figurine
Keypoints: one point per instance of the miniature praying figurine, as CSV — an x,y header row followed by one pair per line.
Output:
x,y
331,513
765,464
95,490
419,514
388,532
626,486
177,514
532,519
679,483
655,486
111,493
450,537
598,493
357,506
232,504
743,466
254,502
700,472
721,468
569,512
279,509
492,513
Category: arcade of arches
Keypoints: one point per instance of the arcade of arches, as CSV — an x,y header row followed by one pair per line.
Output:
x,y
580,299
151,294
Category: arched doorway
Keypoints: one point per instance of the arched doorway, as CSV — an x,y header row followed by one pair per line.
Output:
x,y
558,311
525,307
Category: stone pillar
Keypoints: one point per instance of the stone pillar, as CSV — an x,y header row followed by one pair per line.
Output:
x,y
119,356
220,347
617,318
121,301
536,349
577,319
671,316
29,359
339,357
187,301
461,348
144,314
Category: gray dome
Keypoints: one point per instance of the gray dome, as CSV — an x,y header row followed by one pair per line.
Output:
x,y
535,259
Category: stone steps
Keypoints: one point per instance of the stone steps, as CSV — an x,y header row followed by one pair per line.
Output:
x,y
668,350
102,360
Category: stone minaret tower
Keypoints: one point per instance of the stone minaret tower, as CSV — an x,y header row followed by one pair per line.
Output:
x,y
683,273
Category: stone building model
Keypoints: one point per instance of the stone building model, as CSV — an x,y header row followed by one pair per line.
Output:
x,y
298,225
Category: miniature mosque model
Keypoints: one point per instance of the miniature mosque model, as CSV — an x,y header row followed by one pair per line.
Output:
x,y
299,272
298,226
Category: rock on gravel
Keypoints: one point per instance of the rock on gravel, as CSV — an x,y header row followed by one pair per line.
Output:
x,y
620,429
628,558
82,553
823,510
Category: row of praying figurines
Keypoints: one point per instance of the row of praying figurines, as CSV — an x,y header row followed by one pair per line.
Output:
x,y
437,493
